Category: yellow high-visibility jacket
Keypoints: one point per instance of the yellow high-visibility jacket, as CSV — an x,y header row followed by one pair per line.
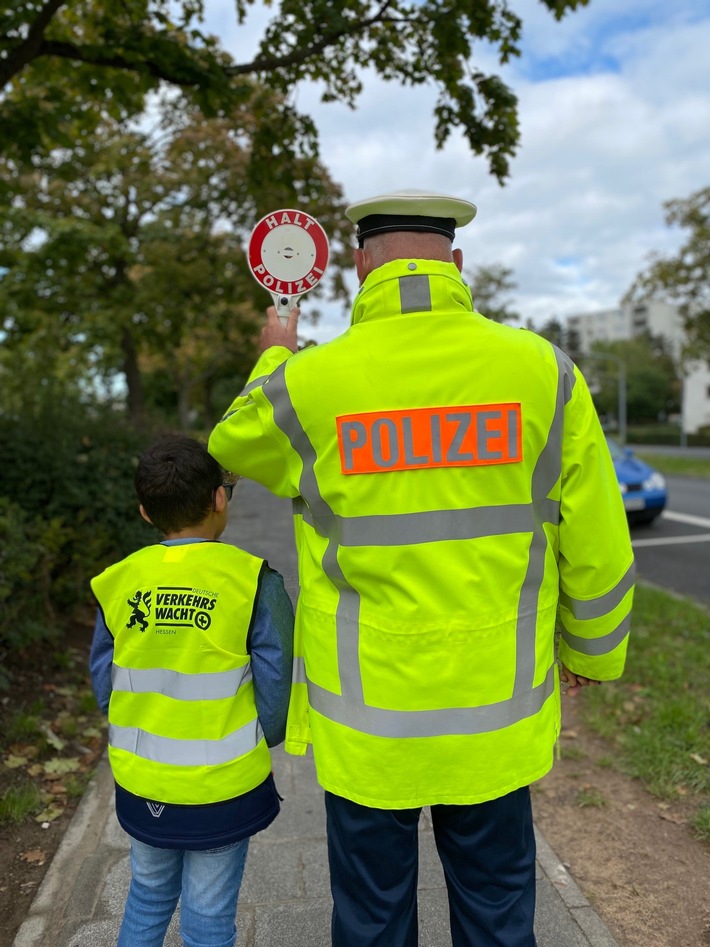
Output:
x,y
452,487
183,726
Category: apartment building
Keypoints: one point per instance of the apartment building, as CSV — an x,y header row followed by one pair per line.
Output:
x,y
658,318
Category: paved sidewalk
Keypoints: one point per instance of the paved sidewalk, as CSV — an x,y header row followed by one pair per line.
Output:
x,y
285,897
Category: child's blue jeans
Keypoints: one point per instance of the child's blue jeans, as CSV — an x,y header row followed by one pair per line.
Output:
x,y
207,883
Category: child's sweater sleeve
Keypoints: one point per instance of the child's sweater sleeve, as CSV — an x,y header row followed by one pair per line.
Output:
x,y
272,655
101,662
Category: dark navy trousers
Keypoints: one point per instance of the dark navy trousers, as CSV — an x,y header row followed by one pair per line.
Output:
x,y
487,852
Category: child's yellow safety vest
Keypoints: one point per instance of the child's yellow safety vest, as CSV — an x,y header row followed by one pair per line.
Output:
x,y
183,726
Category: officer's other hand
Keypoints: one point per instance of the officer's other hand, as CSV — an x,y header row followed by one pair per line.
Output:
x,y
274,333
574,682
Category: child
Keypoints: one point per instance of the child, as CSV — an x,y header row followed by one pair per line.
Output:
x,y
191,658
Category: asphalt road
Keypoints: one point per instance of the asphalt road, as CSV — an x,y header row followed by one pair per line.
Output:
x,y
674,551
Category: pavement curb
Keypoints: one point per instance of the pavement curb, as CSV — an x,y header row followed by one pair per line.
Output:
x,y
78,843
572,896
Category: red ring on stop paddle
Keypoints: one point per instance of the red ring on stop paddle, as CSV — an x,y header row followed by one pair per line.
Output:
x,y
294,273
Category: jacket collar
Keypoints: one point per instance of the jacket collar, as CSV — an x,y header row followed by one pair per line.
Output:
x,y
411,286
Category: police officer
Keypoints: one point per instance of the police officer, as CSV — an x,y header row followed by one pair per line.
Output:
x,y
452,491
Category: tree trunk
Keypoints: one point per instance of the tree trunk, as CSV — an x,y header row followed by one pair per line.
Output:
x,y
184,404
207,403
134,382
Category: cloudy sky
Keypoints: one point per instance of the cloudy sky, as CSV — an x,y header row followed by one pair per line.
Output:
x,y
614,108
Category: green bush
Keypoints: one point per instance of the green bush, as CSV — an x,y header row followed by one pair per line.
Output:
x,y
23,603
68,509
666,434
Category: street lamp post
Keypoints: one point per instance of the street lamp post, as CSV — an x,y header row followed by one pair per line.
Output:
x,y
621,397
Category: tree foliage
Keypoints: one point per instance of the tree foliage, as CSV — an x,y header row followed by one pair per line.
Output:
x,y
126,253
684,278
64,64
561,335
490,286
652,383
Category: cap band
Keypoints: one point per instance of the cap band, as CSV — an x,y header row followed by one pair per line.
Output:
x,y
389,223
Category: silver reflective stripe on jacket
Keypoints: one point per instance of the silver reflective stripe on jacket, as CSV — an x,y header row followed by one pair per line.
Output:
x,y
598,646
157,749
585,609
249,387
214,686
547,472
349,707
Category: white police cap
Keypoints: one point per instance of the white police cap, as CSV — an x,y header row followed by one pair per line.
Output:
x,y
424,211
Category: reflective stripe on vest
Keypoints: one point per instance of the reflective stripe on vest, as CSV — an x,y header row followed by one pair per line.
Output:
x,y
348,707
214,686
157,749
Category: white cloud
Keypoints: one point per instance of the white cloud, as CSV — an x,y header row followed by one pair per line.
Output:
x,y
615,120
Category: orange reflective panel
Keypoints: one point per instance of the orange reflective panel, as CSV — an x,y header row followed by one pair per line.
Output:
x,y
456,436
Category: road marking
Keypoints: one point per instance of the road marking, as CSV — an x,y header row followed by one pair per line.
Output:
x,y
672,540
686,518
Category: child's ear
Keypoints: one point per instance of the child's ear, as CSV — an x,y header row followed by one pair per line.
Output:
x,y
220,500
144,514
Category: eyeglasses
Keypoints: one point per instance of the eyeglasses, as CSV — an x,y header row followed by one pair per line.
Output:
x,y
229,490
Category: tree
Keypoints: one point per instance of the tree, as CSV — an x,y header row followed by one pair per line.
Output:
x,y
552,330
125,253
489,287
652,383
561,335
684,279
63,64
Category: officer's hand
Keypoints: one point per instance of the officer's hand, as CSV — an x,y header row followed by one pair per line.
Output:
x,y
574,681
274,333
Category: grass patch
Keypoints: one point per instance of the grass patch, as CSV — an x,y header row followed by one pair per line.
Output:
x,y
18,802
657,715
701,823
571,752
590,798
667,464
24,725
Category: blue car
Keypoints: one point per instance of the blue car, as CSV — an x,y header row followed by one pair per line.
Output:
x,y
643,488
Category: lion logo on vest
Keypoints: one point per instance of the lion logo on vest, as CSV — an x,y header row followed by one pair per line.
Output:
x,y
141,604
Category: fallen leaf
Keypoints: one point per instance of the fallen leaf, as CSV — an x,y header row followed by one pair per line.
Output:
x,y
15,762
55,768
52,738
91,732
669,817
698,759
49,814
24,749
35,856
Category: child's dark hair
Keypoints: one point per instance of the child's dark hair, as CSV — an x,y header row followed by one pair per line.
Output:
x,y
175,482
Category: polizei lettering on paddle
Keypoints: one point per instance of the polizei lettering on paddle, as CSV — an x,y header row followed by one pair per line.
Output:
x,y
288,252
456,436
